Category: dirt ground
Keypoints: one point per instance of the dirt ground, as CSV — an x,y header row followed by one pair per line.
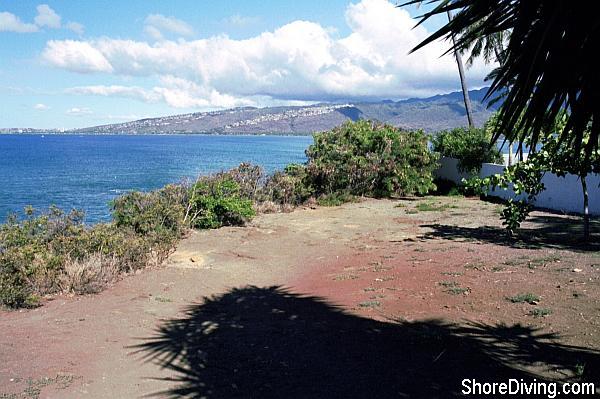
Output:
x,y
378,298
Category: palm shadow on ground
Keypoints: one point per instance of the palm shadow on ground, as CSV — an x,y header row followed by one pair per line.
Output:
x,y
269,342
547,231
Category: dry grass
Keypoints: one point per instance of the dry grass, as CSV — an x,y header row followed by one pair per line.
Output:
x,y
266,207
272,207
90,275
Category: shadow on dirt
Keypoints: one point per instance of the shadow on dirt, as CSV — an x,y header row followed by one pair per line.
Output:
x,y
546,231
273,343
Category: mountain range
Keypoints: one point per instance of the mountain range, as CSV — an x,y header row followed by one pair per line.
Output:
x,y
439,112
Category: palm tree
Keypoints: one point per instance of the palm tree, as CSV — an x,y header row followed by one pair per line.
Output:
x,y
549,63
463,82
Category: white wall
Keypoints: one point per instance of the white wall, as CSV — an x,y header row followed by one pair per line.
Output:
x,y
562,194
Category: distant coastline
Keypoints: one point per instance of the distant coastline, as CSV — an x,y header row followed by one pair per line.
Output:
x,y
56,132
431,114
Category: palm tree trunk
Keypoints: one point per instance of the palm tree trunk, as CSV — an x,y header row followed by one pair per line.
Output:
x,y
461,72
586,210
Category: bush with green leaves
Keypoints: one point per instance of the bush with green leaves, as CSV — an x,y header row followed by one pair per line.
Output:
x,y
216,201
250,179
30,256
157,215
525,178
54,251
365,158
471,146
49,252
292,186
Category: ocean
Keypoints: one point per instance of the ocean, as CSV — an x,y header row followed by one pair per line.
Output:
x,y
87,172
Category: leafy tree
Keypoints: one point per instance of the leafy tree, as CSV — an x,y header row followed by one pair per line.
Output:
x,y
550,62
490,47
471,146
216,201
363,158
555,156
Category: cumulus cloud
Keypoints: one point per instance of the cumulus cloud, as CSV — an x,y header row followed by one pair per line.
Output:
x,y
41,107
300,61
11,23
46,16
240,21
156,25
77,56
176,92
137,93
77,111
75,27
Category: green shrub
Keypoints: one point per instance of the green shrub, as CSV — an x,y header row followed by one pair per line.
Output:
x,y
31,257
292,186
159,212
335,199
55,251
471,146
250,179
14,288
216,201
363,158
449,188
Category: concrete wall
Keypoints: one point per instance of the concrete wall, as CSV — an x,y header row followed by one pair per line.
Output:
x,y
562,194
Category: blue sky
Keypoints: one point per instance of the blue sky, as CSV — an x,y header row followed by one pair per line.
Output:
x,y
71,64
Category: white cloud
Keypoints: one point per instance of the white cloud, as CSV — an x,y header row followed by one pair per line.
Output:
x,y
77,111
11,23
240,21
176,92
157,24
137,93
75,27
127,117
46,16
300,61
153,32
41,107
77,56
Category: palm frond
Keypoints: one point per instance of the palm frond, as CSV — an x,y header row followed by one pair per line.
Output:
x,y
549,62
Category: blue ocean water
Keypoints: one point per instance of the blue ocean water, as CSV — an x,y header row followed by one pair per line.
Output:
x,y
86,172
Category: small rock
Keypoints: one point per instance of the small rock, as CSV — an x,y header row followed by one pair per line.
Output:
x,y
577,270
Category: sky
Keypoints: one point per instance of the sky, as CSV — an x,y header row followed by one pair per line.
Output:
x,y
66,64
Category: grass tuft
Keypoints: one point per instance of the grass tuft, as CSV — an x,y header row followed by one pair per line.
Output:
x,y
524,298
369,304
540,312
